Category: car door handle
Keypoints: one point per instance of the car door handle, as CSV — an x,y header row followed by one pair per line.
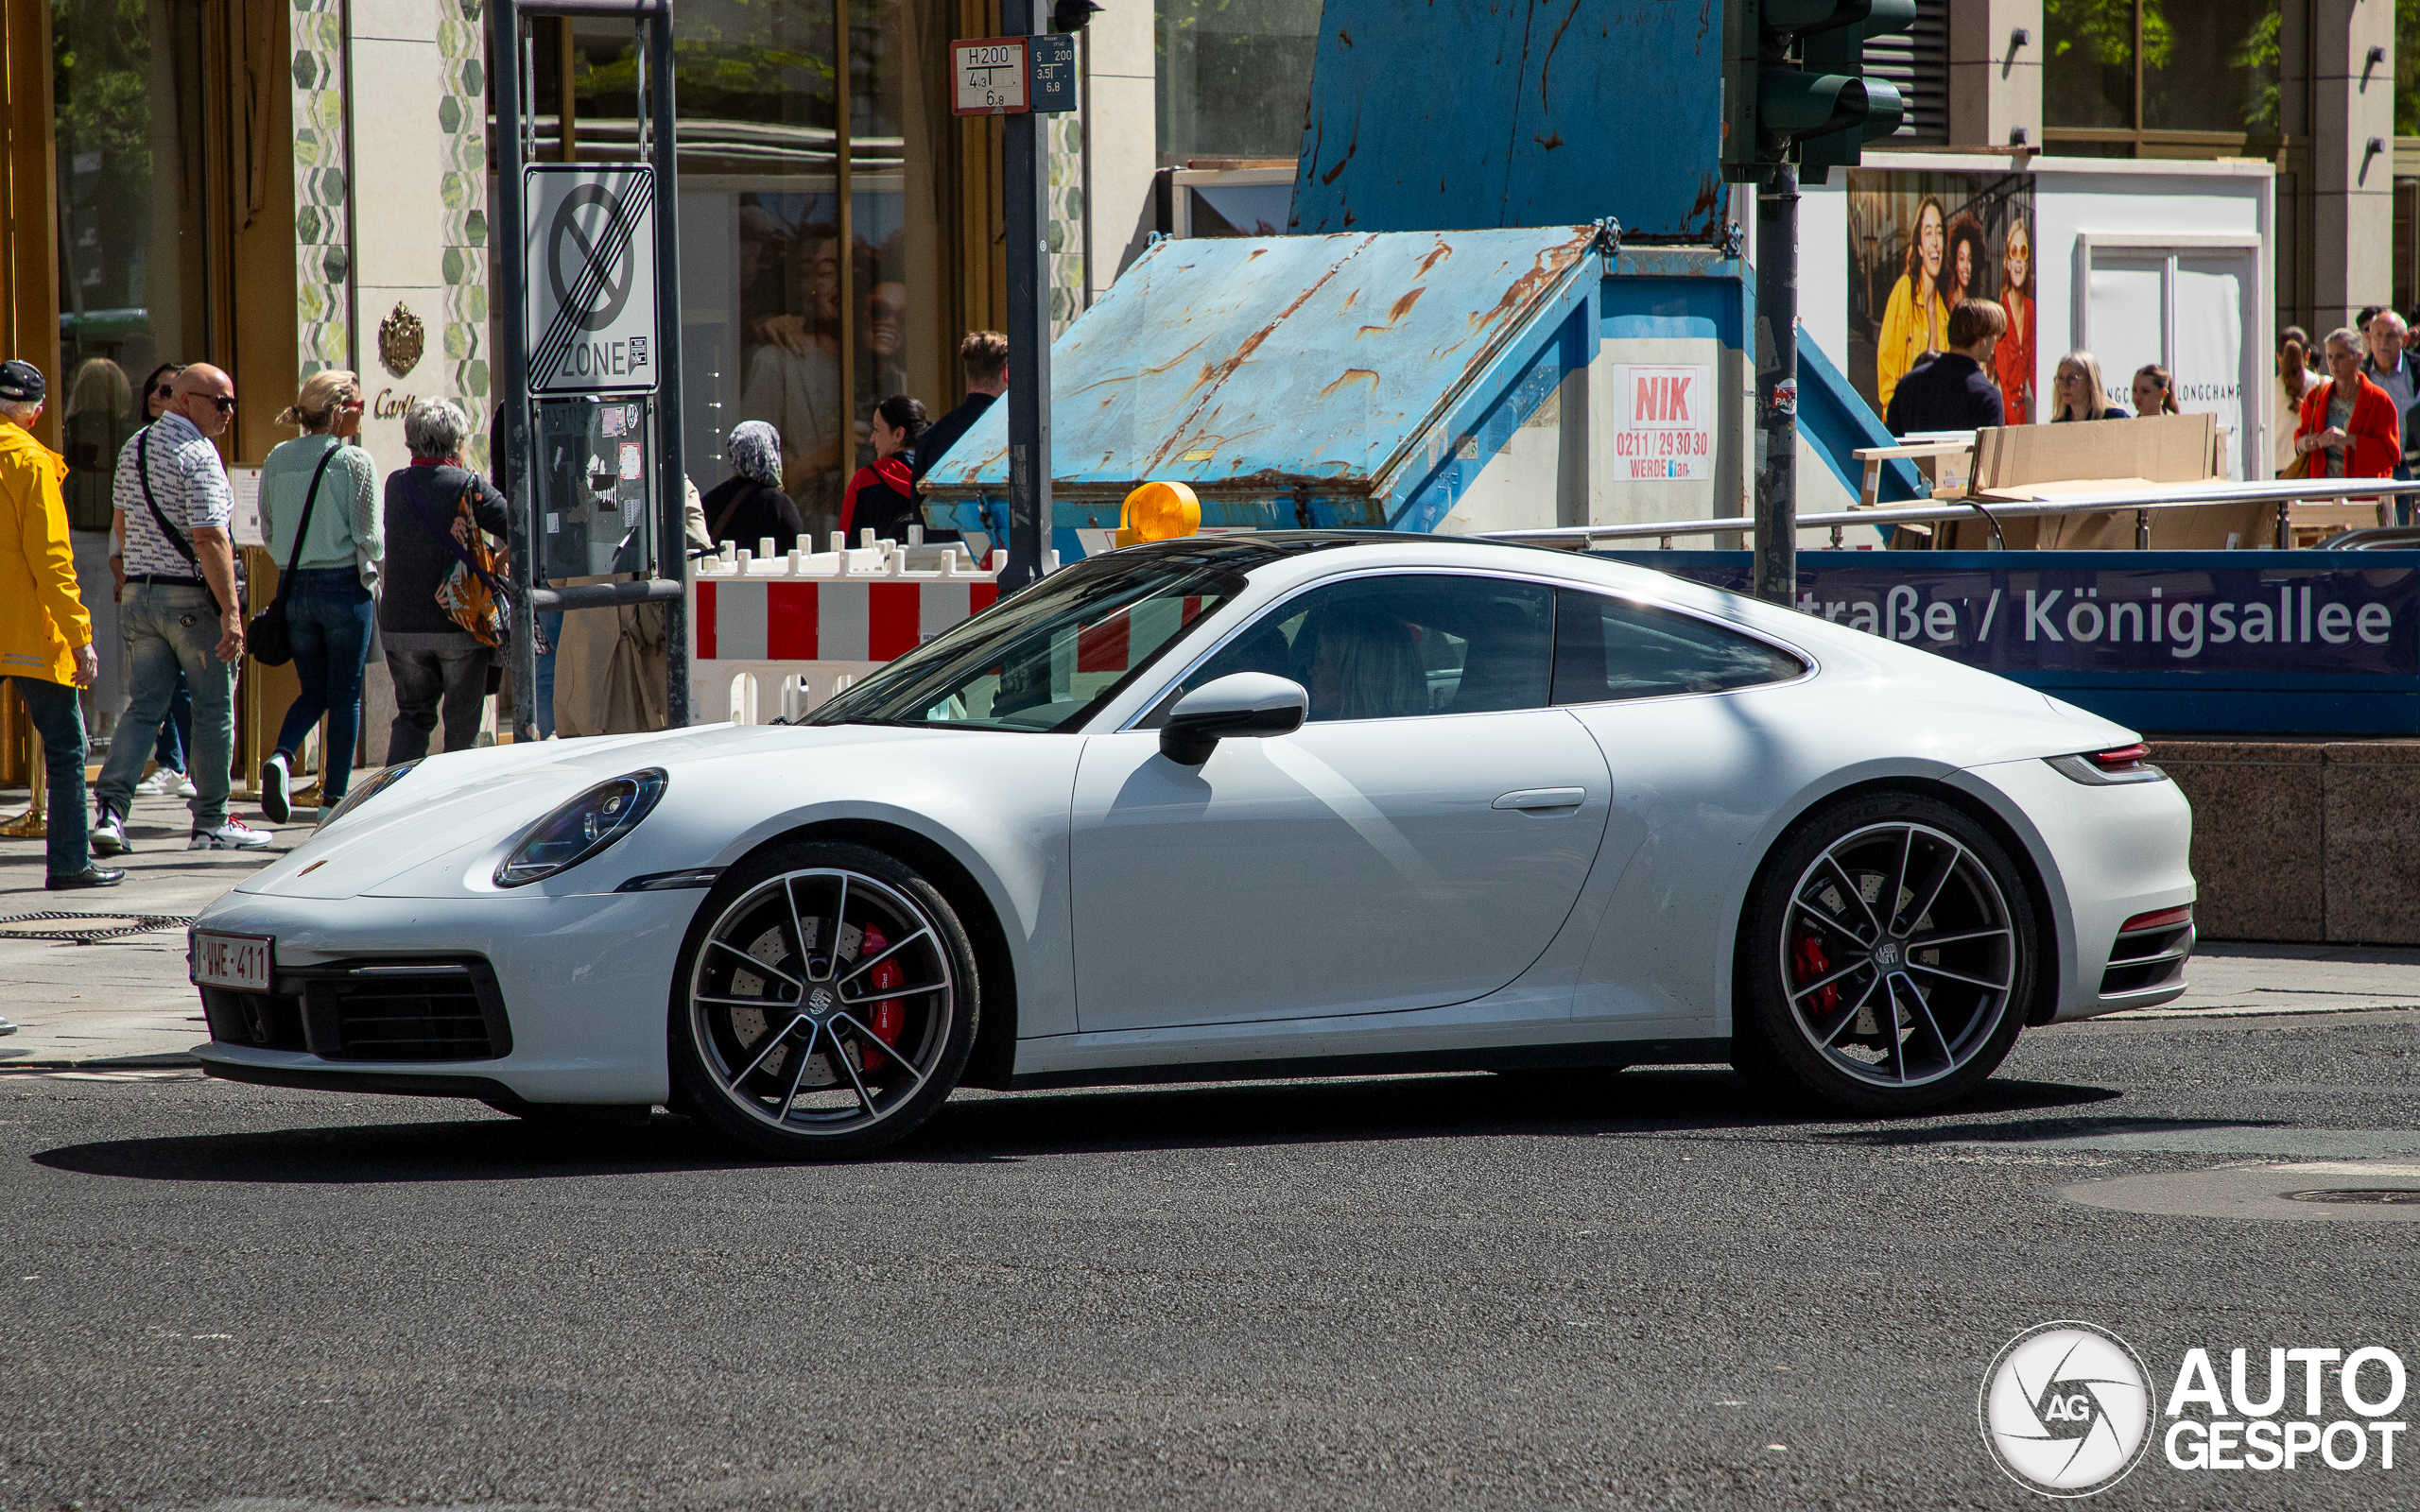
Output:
x,y
1535,799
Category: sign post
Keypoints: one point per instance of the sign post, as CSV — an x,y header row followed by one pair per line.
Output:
x,y
588,272
1016,76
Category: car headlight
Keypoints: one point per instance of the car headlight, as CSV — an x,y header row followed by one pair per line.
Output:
x,y
369,790
582,827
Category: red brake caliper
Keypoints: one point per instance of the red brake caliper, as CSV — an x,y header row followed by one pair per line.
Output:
x,y
1812,964
891,1017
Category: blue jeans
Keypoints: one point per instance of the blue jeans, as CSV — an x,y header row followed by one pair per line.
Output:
x,y
170,629
176,731
58,716
328,613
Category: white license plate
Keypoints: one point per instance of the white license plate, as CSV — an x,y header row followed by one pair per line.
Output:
x,y
240,961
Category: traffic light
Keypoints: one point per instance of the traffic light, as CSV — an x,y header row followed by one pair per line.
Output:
x,y
1791,84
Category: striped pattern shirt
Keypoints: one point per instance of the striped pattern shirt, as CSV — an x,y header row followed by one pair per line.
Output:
x,y
190,484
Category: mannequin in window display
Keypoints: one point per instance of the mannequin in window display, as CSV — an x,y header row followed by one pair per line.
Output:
x,y
793,382
882,361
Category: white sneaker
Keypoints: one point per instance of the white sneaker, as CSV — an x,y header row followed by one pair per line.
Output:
x,y
185,785
5,1027
233,836
109,834
277,795
165,783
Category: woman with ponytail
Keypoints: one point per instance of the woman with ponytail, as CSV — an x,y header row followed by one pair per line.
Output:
x,y
325,475
882,498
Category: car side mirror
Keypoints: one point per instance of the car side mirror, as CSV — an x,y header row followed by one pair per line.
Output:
x,y
1240,705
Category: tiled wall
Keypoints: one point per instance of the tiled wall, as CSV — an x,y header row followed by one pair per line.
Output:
x,y
322,197
1065,140
462,117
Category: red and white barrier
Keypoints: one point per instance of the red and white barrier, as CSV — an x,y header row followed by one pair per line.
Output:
x,y
774,636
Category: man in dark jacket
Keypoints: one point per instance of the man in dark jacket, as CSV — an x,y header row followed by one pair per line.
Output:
x,y
985,356
1954,391
434,661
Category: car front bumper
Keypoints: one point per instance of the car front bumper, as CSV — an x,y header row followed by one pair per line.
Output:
x,y
583,982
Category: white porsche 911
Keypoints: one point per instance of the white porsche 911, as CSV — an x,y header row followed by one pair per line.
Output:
x,y
1290,804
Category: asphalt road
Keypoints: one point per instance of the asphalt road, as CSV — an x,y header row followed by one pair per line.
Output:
x,y
1645,1289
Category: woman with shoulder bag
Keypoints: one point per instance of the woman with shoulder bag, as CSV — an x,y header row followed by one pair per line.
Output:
x,y
441,578
320,519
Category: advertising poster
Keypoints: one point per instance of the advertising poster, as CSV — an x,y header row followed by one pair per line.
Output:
x,y
1919,243
1663,420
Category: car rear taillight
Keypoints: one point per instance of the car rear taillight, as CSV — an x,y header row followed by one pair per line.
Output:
x,y
2164,918
2104,768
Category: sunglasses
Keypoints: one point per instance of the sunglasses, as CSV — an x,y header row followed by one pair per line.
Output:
x,y
165,391
226,402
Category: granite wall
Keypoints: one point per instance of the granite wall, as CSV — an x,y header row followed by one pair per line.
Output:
x,y
2304,840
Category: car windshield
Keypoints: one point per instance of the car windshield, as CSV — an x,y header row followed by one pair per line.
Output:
x,y
1045,658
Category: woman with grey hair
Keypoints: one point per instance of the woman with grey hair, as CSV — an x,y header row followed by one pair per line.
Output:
x,y
431,508
750,505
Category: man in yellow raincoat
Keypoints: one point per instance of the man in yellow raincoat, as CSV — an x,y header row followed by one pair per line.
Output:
x,y
46,635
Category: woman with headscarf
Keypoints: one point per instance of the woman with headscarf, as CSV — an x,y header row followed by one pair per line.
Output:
x,y
750,505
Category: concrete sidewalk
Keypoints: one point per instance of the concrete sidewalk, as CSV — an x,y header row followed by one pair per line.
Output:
x,y
122,1000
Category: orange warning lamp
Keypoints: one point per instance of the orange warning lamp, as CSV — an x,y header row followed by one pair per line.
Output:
x,y
1158,511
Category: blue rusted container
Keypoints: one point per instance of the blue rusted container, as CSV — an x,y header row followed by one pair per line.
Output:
x,y
1437,381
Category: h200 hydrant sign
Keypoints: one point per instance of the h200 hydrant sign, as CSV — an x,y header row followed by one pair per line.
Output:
x,y
590,303
1663,420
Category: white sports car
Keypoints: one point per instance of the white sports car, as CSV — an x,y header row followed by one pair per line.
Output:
x,y
1284,804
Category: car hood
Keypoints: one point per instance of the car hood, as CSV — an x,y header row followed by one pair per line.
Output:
x,y
444,826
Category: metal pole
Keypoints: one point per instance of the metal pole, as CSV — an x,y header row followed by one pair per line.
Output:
x,y
1027,179
1776,571
672,534
504,57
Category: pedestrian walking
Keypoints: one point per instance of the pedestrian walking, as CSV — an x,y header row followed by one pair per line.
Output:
x,y
882,497
169,779
432,508
1955,391
2349,428
2391,366
984,354
749,505
2155,391
183,606
2295,379
319,516
2075,389
45,633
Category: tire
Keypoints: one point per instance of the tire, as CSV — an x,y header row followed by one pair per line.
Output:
x,y
1836,1005
776,1038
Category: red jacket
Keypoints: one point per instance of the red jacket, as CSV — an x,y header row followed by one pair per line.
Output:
x,y
2376,443
887,490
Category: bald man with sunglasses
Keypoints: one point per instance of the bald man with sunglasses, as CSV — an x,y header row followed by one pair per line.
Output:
x,y
183,609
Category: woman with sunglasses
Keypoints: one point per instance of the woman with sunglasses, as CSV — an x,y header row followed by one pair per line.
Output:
x,y
325,475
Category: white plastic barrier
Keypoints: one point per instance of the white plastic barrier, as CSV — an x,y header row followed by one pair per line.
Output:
x,y
773,636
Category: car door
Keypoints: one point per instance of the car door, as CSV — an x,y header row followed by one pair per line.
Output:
x,y
1417,843
1697,762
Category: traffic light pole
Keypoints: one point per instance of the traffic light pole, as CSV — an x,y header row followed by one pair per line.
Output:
x,y
1028,182
1776,567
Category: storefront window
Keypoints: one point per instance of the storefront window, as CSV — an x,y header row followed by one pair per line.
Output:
x,y
815,281
1235,79
2088,69
133,269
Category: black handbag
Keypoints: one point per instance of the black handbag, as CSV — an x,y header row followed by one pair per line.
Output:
x,y
268,638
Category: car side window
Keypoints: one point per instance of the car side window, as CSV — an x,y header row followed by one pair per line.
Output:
x,y
1608,648
1399,646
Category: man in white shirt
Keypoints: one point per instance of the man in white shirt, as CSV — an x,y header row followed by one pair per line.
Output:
x,y
183,608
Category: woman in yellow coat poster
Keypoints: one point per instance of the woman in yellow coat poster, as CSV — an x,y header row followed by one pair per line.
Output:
x,y
1914,321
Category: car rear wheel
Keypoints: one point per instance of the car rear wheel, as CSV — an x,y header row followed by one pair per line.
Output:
x,y
1886,957
825,1002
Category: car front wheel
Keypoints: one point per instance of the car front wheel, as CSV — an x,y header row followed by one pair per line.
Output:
x,y
825,1002
1886,957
